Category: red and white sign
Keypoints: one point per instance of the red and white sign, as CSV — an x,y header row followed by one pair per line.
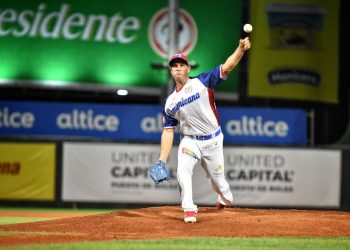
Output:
x,y
158,32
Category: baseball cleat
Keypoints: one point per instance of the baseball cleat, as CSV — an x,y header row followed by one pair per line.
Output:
x,y
190,216
220,206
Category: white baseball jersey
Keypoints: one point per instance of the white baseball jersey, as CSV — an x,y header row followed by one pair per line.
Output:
x,y
193,106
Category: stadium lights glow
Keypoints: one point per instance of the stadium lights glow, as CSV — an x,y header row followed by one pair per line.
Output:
x,y
44,82
122,92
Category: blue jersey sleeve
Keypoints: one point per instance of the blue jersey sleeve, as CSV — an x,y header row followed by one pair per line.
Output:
x,y
168,121
211,78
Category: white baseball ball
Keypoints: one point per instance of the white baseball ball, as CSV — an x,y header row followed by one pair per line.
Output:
x,y
247,28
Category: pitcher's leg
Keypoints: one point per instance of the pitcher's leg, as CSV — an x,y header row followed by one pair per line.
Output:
x,y
213,164
187,159
219,183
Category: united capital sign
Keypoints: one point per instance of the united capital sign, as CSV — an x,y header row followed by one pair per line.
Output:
x,y
109,43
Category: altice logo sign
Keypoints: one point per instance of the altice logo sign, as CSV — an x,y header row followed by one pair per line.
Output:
x,y
257,126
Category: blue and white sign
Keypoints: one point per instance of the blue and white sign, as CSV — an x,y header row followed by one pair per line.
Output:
x,y
129,122
144,122
264,125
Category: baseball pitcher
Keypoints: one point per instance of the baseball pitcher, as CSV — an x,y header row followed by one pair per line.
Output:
x,y
191,106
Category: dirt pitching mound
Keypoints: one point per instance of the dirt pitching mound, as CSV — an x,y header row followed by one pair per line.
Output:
x,y
167,222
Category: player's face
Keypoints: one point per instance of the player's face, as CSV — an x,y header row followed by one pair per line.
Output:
x,y
180,71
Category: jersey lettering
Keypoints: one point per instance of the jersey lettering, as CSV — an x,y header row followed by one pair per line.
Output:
x,y
182,103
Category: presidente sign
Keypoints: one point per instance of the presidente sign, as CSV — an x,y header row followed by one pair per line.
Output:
x,y
62,24
108,42
130,122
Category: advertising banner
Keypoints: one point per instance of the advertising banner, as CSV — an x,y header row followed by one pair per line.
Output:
x,y
115,173
27,171
101,172
111,42
292,56
284,177
144,122
128,122
264,125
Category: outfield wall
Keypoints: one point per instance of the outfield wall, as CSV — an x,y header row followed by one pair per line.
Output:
x,y
104,173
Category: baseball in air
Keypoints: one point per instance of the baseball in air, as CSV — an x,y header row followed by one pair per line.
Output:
x,y
247,28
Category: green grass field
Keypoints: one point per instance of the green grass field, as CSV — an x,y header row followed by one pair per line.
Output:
x,y
61,210
13,220
203,244
285,243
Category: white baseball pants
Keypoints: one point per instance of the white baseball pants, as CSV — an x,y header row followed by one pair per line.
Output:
x,y
210,153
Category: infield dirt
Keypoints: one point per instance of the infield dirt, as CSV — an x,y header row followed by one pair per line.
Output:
x,y
167,222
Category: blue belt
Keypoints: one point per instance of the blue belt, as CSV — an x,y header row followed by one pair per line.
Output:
x,y
207,137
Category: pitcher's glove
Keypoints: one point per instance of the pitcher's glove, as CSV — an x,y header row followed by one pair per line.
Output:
x,y
159,172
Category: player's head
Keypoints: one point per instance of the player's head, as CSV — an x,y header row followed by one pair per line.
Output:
x,y
178,58
179,67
